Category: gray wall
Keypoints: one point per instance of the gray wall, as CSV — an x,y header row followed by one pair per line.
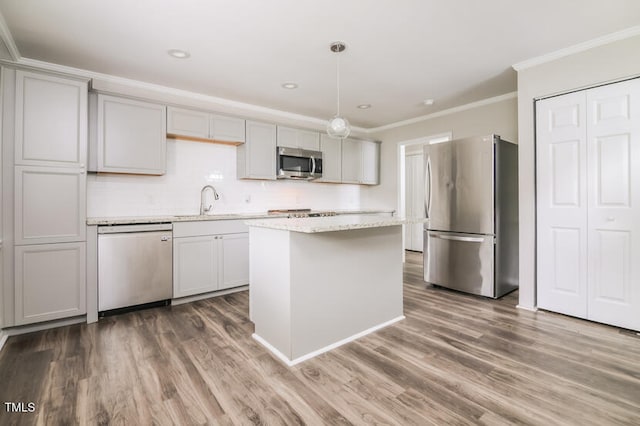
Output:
x,y
495,117
614,61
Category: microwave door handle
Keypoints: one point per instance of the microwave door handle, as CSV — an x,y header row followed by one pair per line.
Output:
x,y
313,166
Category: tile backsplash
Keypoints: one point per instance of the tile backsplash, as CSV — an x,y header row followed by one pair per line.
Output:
x,y
190,166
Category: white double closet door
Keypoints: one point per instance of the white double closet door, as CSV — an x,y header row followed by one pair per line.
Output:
x,y
588,204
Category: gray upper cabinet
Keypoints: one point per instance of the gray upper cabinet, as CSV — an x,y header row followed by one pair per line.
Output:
x,y
360,162
256,159
186,122
331,159
297,138
131,136
50,120
200,125
370,163
227,129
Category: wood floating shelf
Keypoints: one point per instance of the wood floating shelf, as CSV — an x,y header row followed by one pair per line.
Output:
x,y
198,139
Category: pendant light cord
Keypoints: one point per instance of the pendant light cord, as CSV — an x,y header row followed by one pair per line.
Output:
x,y
338,81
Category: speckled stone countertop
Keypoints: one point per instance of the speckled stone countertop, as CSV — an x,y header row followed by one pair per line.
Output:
x,y
310,225
132,220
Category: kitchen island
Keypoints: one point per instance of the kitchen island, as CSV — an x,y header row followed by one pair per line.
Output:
x,y
317,283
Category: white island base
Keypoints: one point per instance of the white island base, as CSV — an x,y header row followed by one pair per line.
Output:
x,y
312,291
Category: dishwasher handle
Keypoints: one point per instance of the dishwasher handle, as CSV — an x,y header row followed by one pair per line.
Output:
x,y
121,229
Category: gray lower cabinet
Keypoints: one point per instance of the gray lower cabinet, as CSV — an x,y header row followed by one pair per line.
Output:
x,y
50,282
209,256
256,159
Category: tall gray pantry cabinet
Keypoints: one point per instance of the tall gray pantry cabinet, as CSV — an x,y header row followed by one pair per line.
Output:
x,y
44,151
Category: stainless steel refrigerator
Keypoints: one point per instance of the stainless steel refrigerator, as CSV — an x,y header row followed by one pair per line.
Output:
x,y
471,203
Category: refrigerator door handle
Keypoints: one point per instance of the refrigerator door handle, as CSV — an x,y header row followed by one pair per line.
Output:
x,y
427,188
456,238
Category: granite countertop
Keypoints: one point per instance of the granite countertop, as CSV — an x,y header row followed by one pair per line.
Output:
x,y
132,220
310,225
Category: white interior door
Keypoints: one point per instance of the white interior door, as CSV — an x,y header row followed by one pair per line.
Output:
x,y
613,129
414,196
562,204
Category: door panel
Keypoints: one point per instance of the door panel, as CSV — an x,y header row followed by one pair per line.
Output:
x,y
50,282
561,204
460,261
613,128
50,120
461,185
196,265
565,160
50,204
235,260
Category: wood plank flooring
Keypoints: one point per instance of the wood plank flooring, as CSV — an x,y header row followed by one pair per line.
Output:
x,y
456,359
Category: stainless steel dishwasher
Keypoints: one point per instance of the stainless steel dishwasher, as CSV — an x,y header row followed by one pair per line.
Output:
x,y
135,265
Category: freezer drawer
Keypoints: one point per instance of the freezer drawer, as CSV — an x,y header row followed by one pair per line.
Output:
x,y
461,262
134,266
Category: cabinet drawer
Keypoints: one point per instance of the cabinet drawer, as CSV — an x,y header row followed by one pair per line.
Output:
x,y
209,227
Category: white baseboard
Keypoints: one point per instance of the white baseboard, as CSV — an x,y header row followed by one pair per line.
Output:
x,y
3,338
313,354
189,299
527,308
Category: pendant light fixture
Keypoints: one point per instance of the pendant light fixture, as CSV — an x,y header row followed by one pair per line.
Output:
x,y
338,127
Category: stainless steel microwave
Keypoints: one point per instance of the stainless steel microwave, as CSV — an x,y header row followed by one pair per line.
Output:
x,y
295,163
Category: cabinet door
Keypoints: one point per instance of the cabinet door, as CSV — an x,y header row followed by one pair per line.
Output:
x,y
257,157
195,265
50,282
308,139
50,120
185,122
287,137
331,159
370,163
227,129
561,178
50,204
235,260
613,226
131,136
351,161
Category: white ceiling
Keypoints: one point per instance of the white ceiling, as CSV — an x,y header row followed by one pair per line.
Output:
x,y
398,52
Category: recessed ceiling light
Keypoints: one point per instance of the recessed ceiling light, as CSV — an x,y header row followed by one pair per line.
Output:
x,y
177,53
428,102
364,106
289,85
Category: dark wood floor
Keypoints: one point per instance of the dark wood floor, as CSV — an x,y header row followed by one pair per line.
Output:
x,y
456,359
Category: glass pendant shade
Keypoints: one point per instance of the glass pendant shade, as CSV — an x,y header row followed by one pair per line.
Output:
x,y
338,127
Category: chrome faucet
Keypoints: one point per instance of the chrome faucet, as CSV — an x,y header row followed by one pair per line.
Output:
x,y
203,198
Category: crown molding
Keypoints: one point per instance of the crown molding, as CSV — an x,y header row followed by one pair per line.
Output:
x,y
483,102
234,107
577,48
225,105
7,38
